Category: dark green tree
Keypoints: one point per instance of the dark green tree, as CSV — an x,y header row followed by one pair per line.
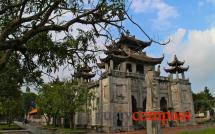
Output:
x,y
28,102
76,98
63,99
10,108
203,100
48,100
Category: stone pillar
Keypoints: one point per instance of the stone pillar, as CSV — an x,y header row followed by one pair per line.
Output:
x,y
111,64
106,66
177,75
123,67
153,127
133,68
101,103
170,76
183,76
192,112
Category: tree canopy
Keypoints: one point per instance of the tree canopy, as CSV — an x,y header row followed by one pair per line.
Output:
x,y
26,40
64,99
203,100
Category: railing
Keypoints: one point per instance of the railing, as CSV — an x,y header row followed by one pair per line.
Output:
x,y
126,74
163,78
185,81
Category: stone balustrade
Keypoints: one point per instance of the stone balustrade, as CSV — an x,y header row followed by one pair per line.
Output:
x,y
126,74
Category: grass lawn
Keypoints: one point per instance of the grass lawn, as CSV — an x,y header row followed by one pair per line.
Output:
x,y
61,129
204,131
4,126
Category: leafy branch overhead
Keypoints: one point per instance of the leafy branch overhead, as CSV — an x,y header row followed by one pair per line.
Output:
x,y
27,27
23,19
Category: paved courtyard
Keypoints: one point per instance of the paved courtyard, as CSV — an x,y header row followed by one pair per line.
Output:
x,y
36,130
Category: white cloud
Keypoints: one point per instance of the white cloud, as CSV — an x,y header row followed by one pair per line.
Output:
x,y
140,5
164,12
175,41
198,50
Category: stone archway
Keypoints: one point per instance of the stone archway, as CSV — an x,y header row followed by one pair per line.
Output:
x,y
119,119
163,104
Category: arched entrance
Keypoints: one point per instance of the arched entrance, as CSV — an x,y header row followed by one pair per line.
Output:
x,y
163,104
119,119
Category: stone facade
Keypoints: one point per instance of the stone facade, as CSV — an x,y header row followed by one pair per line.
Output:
x,y
122,90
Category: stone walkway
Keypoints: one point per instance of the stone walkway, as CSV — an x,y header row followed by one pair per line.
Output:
x,y
28,127
37,130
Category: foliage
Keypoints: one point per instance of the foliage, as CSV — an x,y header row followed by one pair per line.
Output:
x,y
10,92
65,130
26,25
11,127
64,99
28,101
203,101
48,100
10,108
11,80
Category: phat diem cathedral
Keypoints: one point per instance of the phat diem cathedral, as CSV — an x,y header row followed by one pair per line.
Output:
x,y
122,87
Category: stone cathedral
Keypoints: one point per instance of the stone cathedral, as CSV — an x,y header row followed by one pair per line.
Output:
x,y
123,84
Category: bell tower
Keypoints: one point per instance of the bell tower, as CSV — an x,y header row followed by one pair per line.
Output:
x,y
180,89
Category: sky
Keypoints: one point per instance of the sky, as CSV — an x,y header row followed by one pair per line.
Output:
x,y
190,26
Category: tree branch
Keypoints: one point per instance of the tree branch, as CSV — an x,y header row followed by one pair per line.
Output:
x,y
145,32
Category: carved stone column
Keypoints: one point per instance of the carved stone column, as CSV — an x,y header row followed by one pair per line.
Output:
x,y
123,67
153,127
111,64
177,75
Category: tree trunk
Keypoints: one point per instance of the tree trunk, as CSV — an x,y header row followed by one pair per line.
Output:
x,y
48,120
55,123
71,120
54,120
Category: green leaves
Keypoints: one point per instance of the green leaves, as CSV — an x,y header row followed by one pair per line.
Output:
x,y
64,98
28,100
203,100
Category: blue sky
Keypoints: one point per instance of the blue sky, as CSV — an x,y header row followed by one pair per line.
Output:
x,y
191,27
